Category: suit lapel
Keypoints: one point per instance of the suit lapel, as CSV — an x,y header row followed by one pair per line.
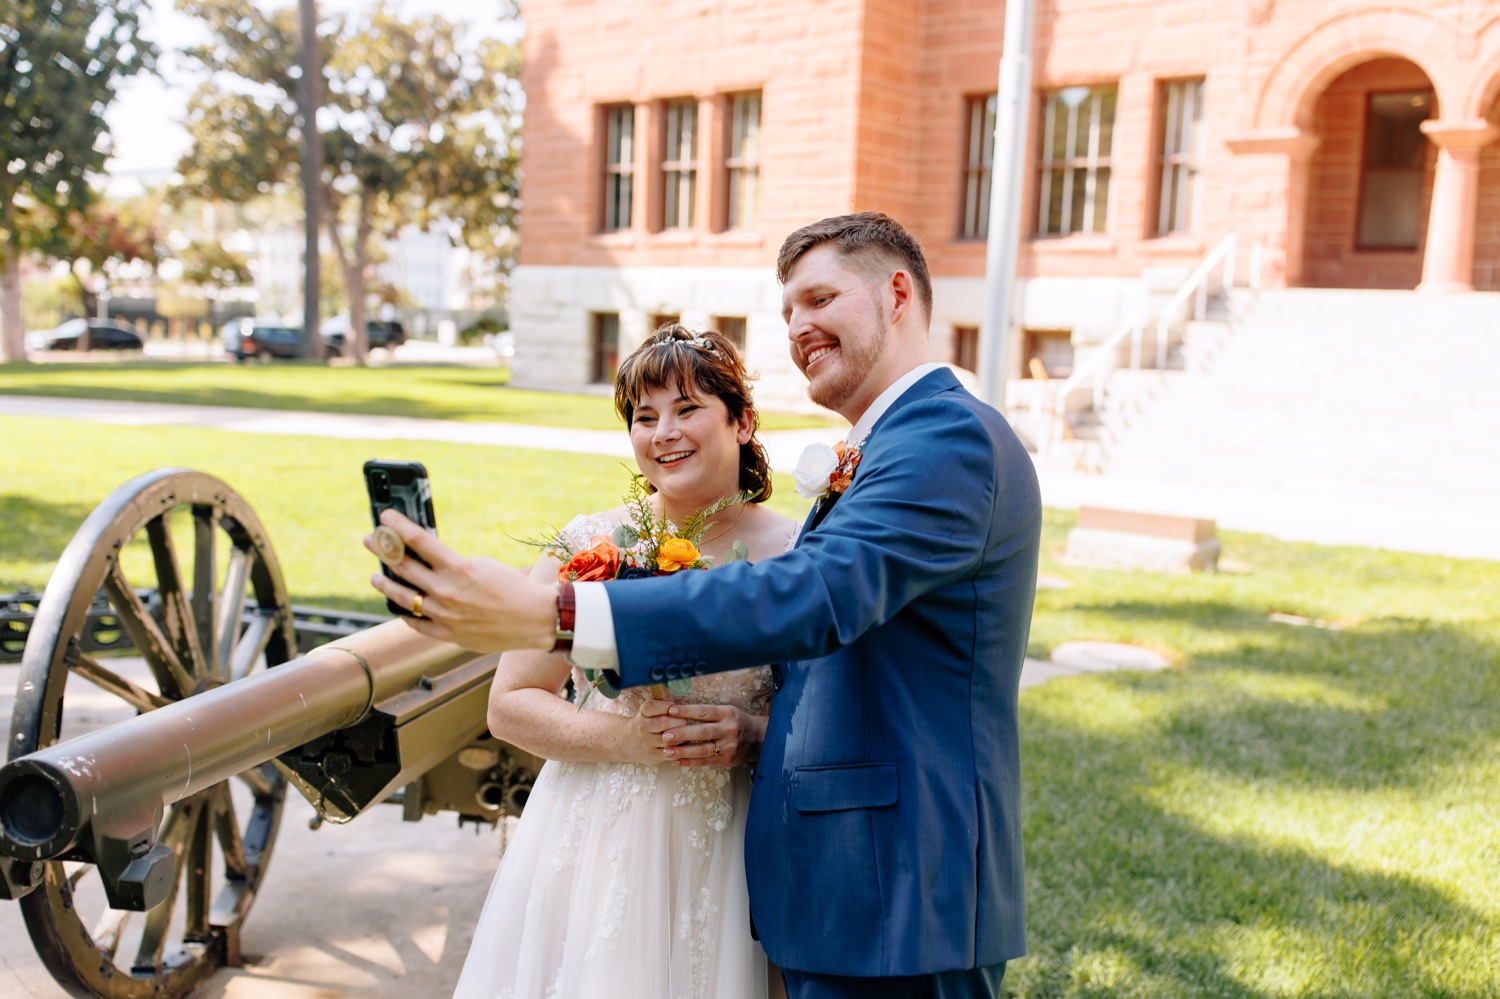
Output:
x,y
928,385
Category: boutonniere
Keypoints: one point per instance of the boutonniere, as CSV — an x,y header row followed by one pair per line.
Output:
x,y
825,471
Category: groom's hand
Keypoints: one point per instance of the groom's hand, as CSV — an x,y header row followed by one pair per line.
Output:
x,y
477,603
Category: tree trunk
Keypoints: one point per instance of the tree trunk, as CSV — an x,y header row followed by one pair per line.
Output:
x,y
352,271
359,327
12,330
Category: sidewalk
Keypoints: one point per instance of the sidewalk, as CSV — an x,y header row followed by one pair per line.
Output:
x,y
1279,510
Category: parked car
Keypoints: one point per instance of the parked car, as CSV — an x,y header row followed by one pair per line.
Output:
x,y
388,333
261,339
86,334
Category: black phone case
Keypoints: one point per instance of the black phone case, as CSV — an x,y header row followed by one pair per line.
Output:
x,y
402,486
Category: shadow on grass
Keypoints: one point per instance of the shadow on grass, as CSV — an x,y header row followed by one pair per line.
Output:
x,y
1261,824
36,532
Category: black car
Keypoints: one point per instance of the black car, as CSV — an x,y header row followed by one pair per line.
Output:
x,y
86,334
261,339
388,333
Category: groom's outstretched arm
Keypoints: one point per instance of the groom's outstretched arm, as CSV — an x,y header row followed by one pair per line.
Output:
x,y
944,492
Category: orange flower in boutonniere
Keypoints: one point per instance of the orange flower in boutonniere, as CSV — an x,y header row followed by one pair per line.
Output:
x,y
674,554
844,473
592,565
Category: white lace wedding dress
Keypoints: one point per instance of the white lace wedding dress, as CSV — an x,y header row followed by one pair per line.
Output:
x,y
624,881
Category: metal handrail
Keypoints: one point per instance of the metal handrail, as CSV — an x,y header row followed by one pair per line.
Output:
x,y
1094,365
1196,285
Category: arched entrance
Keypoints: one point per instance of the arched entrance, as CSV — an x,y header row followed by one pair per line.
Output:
x,y
1370,178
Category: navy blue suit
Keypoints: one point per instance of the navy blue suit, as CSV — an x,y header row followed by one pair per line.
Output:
x,y
884,834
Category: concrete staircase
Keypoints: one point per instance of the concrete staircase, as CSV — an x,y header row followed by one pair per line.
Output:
x,y
1366,398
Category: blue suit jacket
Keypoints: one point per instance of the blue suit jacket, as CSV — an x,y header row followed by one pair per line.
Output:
x,y
884,834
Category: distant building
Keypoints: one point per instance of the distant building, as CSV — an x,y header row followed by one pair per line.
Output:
x,y
670,145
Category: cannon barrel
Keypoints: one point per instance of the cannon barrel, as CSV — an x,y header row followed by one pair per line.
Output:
x,y
101,796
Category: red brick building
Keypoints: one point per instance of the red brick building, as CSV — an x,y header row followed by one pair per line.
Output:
x,y
670,145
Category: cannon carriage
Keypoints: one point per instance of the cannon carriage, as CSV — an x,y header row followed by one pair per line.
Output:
x,y
137,849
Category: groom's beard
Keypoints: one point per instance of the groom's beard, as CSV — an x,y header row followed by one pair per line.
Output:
x,y
856,359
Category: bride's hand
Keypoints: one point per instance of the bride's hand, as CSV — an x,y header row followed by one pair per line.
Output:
x,y
647,736
714,735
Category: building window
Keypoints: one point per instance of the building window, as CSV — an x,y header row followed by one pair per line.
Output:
x,y
619,156
743,161
966,347
979,159
732,327
1048,353
1395,163
679,164
604,358
661,319
1179,145
1074,166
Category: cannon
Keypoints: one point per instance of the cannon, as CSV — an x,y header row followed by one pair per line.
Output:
x,y
136,850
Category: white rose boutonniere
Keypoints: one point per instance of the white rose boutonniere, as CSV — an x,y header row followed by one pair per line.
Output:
x,y
823,470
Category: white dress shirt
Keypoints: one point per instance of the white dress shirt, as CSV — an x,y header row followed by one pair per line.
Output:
x,y
594,625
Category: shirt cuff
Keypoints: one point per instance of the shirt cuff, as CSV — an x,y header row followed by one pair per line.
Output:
x,y
593,628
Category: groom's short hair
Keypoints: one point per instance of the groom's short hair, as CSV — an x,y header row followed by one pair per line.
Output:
x,y
867,238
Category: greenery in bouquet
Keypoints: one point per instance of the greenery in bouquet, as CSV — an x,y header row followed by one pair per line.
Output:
x,y
645,545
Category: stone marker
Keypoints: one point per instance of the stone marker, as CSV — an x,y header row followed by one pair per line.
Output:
x,y
1126,539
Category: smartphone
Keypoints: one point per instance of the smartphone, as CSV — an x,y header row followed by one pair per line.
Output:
x,y
401,486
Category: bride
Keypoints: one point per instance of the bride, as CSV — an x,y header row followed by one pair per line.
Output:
x,y
625,875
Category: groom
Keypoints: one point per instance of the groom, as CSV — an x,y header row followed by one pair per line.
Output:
x,y
883,846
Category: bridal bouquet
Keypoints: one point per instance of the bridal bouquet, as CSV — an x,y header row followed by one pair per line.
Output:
x,y
645,545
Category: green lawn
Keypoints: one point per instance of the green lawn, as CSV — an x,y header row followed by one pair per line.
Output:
x,y
1305,811
1291,811
307,491
438,393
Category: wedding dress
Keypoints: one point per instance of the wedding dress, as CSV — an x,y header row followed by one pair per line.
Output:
x,y
624,881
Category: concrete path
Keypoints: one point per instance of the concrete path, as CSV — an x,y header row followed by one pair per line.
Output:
x,y
1279,509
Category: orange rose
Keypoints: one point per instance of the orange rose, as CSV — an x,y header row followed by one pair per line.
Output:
x,y
674,554
598,563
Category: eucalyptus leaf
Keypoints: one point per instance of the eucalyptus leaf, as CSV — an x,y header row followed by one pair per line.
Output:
x,y
679,686
737,553
625,536
596,681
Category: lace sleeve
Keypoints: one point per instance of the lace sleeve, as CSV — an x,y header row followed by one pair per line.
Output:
x,y
581,531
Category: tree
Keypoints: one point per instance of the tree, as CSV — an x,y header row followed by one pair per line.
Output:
x,y
60,62
214,268
416,125
98,236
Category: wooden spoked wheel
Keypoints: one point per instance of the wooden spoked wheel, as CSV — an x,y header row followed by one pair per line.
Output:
x,y
219,612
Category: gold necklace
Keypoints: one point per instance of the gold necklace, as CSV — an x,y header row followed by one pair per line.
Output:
x,y
727,527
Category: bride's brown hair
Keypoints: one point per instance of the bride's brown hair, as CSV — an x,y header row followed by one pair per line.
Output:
x,y
708,362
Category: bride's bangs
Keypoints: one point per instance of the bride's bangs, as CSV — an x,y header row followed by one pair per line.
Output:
x,y
706,363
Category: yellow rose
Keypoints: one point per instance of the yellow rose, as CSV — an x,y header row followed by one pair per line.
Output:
x,y
674,554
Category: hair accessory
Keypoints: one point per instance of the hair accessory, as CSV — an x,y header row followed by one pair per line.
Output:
x,y
697,340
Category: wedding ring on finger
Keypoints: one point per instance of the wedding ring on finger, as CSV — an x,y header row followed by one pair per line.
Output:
x,y
717,750
416,606
389,547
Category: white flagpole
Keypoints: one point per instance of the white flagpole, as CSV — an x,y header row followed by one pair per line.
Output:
x,y
1013,103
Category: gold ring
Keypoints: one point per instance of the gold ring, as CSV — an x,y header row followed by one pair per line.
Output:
x,y
716,749
416,606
